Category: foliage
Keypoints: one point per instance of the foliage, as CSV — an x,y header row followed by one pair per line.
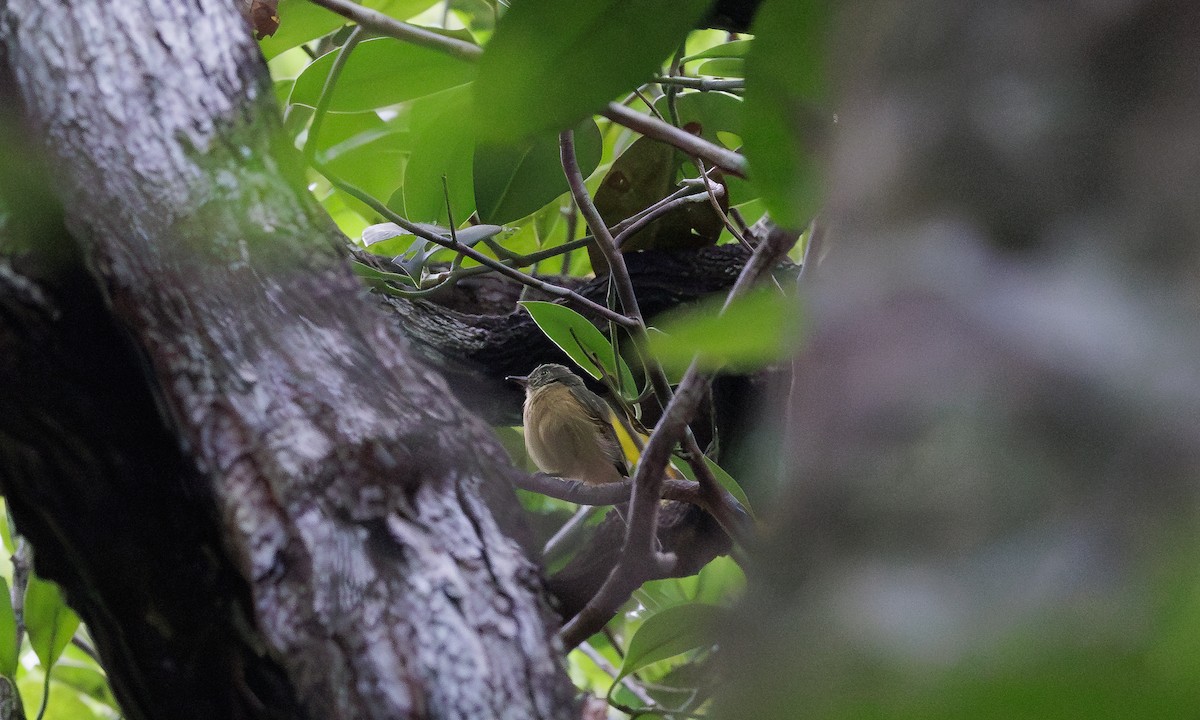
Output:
x,y
404,133
56,672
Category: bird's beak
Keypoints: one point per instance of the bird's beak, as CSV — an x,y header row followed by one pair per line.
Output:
x,y
522,380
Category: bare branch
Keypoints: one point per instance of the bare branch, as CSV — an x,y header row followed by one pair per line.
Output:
x,y
702,84
727,160
385,25
638,556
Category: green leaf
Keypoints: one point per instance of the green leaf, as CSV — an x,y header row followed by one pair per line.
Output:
x,y
719,117
723,67
48,620
399,9
442,144
758,329
380,278
64,702
381,72
785,91
735,49
77,670
550,64
706,112
725,479
372,160
512,181
718,582
8,633
299,22
670,632
580,340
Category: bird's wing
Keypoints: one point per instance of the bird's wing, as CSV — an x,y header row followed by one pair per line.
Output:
x,y
623,444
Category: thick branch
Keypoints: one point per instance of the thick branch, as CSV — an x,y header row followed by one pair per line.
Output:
x,y
365,508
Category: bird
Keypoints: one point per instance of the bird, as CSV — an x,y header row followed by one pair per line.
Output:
x,y
570,431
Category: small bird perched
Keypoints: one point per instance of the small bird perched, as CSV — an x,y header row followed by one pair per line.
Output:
x,y
570,431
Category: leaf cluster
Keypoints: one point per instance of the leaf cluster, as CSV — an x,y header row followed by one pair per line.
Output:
x,y
449,161
45,654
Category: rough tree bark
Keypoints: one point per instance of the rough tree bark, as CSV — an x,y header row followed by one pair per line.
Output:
x,y
365,513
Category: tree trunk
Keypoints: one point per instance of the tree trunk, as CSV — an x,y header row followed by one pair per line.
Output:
x,y
239,428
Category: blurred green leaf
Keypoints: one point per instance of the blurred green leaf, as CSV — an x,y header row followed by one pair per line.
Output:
x,y
442,144
550,64
580,340
8,633
514,180
48,621
77,670
758,329
670,632
63,703
785,94
381,72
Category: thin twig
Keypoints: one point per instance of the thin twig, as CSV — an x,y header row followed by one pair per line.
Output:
x,y
619,274
451,243
672,91
741,221
568,530
727,160
655,211
572,225
22,564
637,555
649,105
385,25
491,263
314,130
87,649
602,662
716,205
702,84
